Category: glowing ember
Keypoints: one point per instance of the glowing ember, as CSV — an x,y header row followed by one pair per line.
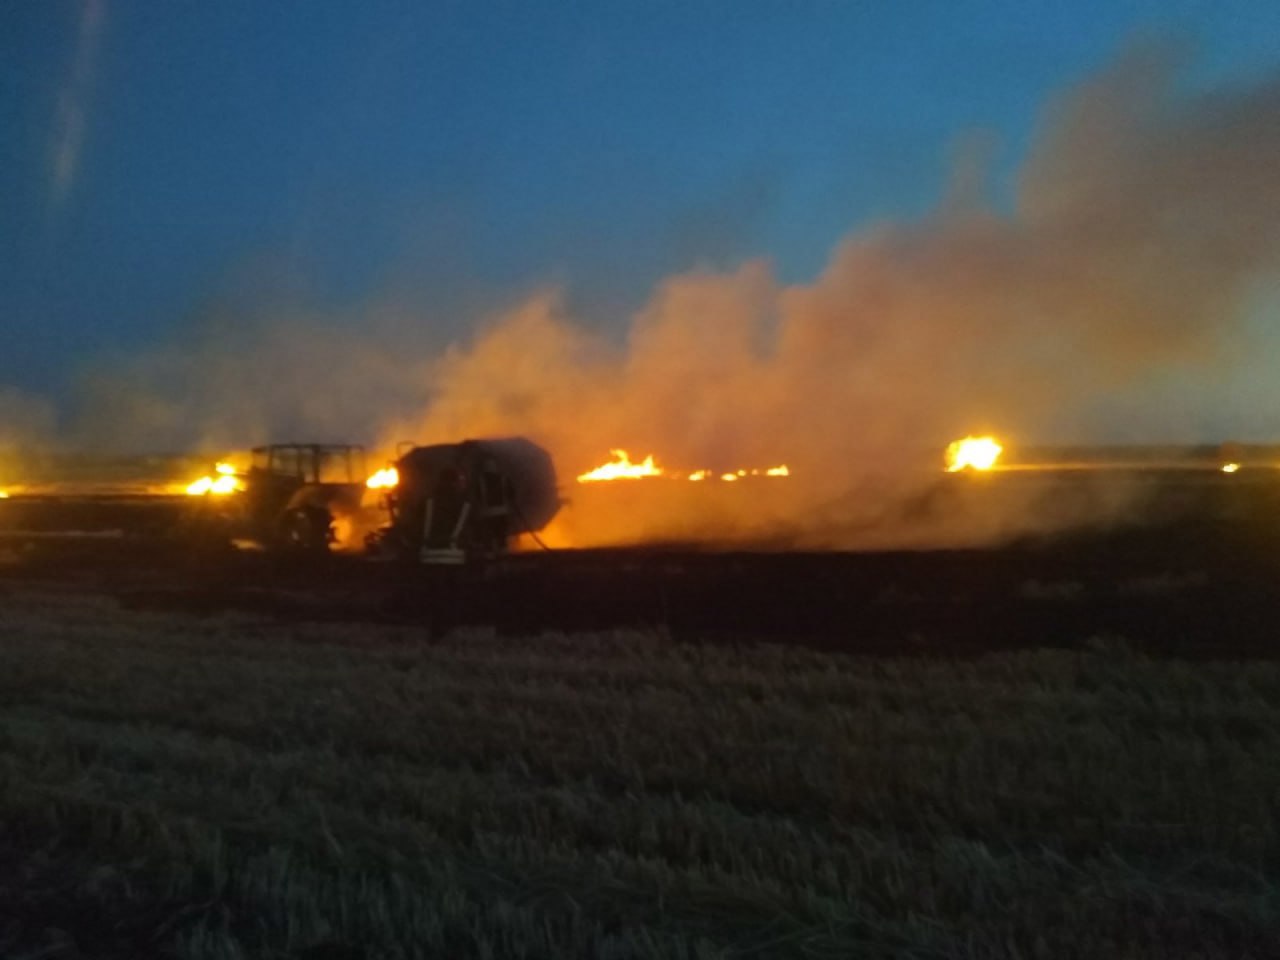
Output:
x,y
621,468
973,453
1230,467
779,471
728,477
699,475
224,482
384,479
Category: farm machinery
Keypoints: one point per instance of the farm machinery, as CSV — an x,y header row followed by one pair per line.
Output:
x,y
451,503
460,503
288,499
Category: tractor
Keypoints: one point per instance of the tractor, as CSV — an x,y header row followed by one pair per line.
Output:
x,y
289,497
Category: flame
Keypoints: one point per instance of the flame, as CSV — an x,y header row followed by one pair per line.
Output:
x,y
221,485
226,481
1230,467
384,479
4,495
974,453
621,468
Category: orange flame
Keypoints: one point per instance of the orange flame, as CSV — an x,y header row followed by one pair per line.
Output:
x,y
621,468
384,479
226,481
973,453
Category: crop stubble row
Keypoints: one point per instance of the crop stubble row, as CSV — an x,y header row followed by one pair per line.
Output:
x,y
617,794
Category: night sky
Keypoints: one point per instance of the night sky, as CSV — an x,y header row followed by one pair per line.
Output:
x,y
159,157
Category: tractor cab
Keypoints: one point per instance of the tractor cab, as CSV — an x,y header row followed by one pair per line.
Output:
x,y
293,491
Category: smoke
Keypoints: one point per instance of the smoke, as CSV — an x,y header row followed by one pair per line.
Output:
x,y
240,379
1142,220
70,119
25,422
25,419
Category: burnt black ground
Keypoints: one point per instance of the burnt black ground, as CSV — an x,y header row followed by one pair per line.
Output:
x,y
1185,590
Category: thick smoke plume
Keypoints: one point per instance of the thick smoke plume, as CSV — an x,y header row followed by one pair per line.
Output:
x,y
1143,220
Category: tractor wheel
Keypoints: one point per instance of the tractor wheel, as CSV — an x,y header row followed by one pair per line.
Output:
x,y
305,529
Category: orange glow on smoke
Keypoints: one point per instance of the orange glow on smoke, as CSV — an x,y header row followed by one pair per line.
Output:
x,y
973,453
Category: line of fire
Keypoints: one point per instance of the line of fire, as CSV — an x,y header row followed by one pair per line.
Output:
x,y
479,500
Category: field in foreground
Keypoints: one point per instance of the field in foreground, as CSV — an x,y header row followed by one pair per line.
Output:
x,y
231,787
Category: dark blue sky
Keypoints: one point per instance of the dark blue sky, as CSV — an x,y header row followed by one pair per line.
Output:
x,y
160,157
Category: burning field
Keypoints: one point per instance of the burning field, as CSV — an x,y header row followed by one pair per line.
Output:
x,y
1105,298
976,493
647,752
904,590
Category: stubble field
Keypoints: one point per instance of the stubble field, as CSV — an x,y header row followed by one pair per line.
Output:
x,y
237,787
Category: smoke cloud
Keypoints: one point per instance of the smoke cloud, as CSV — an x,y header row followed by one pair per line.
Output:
x,y
1143,219
70,120
25,419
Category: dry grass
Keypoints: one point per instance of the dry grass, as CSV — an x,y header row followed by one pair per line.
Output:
x,y
231,788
